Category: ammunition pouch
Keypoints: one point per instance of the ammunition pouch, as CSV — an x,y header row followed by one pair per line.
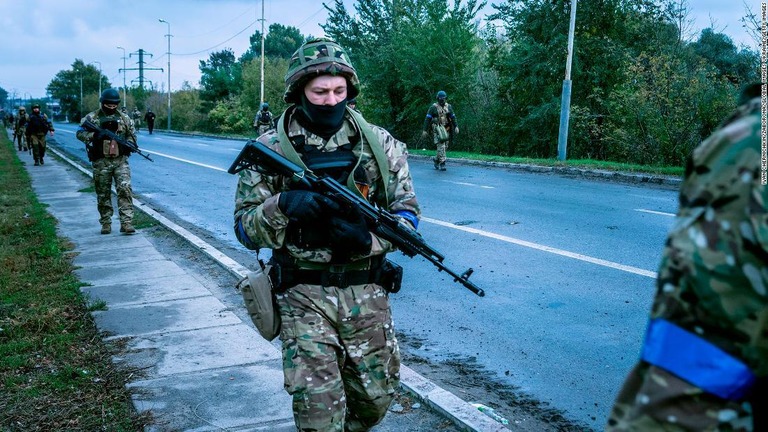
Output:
x,y
260,302
442,133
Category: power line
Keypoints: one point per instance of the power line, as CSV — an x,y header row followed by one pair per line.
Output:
x,y
219,44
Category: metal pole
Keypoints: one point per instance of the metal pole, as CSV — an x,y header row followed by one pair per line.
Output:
x,y
99,76
169,71
565,105
81,95
262,54
125,95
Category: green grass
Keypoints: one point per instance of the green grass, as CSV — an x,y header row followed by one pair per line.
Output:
x,y
55,372
571,163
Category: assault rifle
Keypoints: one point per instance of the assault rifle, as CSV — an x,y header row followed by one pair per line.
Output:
x,y
261,158
92,127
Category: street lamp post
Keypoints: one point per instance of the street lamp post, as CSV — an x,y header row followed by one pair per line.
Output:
x,y
125,96
169,70
99,76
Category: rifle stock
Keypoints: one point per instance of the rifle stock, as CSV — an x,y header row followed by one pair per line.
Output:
x,y
93,127
258,157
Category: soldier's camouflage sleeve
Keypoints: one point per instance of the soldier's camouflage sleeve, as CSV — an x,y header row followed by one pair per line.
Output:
x,y
712,282
258,221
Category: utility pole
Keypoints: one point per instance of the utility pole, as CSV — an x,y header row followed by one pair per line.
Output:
x,y
125,95
99,76
262,54
565,104
169,71
141,53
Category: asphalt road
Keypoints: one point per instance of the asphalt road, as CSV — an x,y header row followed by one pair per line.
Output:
x,y
568,267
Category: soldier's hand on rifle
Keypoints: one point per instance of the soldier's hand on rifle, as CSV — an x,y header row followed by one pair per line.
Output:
x,y
350,234
456,131
424,134
304,206
98,137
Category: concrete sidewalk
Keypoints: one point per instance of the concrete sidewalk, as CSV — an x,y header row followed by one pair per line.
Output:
x,y
200,366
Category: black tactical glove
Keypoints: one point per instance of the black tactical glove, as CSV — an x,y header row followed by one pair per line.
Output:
x,y
350,235
98,137
304,206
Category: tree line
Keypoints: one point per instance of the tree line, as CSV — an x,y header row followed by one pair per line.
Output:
x,y
643,91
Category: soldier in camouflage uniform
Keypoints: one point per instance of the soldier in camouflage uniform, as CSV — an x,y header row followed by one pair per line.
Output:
x,y
340,355
704,361
37,126
441,122
20,128
263,121
110,161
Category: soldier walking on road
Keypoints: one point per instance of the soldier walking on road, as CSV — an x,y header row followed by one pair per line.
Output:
x,y
136,117
340,356
704,362
441,122
37,126
110,161
150,119
20,128
263,121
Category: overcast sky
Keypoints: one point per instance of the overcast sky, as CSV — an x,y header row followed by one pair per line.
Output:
x,y
42,37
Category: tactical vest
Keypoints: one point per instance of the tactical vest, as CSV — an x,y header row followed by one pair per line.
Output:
x,y
37,124
443,115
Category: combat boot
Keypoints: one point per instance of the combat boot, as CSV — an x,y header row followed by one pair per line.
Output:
x,y
37,162
437,164
106,228
127,228
42,162
442,166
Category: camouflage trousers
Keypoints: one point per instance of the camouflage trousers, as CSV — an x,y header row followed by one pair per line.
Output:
x,y
38,144
104,171
653,399
22,140
441,147
340,356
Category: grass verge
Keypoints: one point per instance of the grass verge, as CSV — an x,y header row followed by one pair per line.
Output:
x,y
55,371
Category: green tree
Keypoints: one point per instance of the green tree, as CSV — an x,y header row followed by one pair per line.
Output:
x,y
3,97
281,41
68,85
220,77
738,66
405,52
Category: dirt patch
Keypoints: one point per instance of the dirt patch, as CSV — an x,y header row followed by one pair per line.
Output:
x,y
471,382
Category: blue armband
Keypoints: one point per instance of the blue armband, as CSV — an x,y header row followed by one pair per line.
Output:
x,y
242,236
409,216
696,360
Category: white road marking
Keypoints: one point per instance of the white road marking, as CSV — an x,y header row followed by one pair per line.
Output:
x,y
185,160
598,261
469,184
655,212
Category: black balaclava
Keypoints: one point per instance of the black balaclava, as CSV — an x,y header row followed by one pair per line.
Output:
x,y
108,111
322,120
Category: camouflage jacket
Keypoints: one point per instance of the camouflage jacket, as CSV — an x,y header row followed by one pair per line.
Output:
x,y
256,199
713,285
713,277
125,128
440,115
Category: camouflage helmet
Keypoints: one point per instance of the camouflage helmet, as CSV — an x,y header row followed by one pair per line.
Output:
x,y
441,95
110,95
36,106
21,108
264,105
320,56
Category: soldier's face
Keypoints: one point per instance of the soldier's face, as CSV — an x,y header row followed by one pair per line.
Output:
x,y
326,90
